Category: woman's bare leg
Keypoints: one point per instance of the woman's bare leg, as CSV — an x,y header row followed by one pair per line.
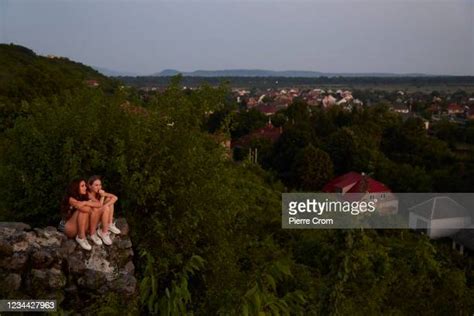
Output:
x,y
111,216
70,228
83,222
106,218
95,217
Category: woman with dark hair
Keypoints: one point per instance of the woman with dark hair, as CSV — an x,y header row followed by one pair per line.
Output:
x,y
105,212
76,208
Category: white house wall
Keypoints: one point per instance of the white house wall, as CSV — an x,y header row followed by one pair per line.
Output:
x,y
444,227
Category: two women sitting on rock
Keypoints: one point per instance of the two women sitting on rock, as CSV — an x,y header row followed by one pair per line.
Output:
x,y
83,208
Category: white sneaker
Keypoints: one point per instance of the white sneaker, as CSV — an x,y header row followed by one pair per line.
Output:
x,y
83,243
114,229
105,237
96,239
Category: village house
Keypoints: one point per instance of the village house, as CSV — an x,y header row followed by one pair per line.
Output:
x,y
267,109
268,132
439,217
328,101
400,108
92,83
454,108
251,103
359,186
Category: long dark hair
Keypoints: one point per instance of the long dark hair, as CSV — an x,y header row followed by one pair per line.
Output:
x,y
73,191
90,181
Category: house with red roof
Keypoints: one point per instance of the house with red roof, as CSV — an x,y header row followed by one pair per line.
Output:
x,y
356,186
92,83
267,109
454,108
268,132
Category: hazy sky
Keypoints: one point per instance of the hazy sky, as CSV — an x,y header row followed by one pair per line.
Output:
x,y
399,36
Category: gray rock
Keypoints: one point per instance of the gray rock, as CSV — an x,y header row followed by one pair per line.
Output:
x,y
7,231
15,225
125,284
92,280
42,259
21,246
130,268
99,260
121,256
56,279
122,224
16,262
68,247
123,244
6,250
39,279
44,263
76,264
71,289
11,283
51,229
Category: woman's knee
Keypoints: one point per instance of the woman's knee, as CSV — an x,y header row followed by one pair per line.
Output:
x,y
85,210
70,228
70,231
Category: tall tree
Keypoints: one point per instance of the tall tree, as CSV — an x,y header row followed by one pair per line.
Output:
x,y
312,168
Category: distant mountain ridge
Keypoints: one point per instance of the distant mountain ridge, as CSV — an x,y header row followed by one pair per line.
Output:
x,y
113,73
273,73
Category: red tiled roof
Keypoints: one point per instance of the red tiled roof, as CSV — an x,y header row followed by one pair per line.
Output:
x,y
269,132
359,184
342,181
368,185
455,107
267,109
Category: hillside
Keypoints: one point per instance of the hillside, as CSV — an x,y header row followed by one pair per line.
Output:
x,y
25,75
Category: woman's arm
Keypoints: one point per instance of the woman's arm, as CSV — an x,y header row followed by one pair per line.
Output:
x,y
108,197
79,205
92,203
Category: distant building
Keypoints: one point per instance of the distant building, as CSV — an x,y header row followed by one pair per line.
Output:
x,y
268,132
267,109
359,186
400,108
50,56
328,101
454,108
92,83
251,102
439,217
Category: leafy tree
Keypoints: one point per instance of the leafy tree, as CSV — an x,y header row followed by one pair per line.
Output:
x,y
313,168
245,122
291,141
341,146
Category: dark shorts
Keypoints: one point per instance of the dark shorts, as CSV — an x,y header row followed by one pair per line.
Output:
x,y
61,225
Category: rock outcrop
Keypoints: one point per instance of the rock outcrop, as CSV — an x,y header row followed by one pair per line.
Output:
x,y
45,264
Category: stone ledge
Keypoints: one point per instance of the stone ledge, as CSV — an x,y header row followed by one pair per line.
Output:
x,y
44,263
